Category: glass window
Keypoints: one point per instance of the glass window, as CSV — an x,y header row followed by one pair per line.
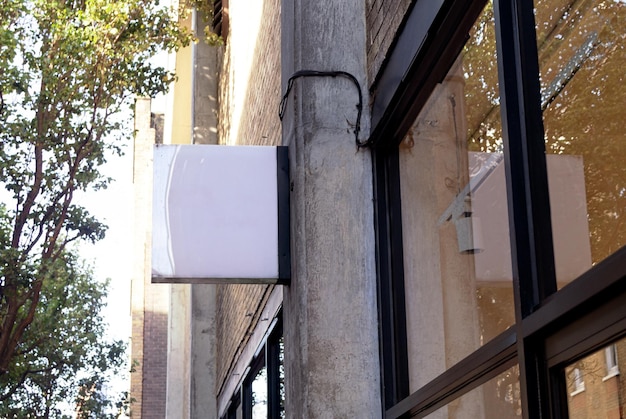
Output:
x,y
457,259
577,382
582,54
262,394
612,367
498,398
592,393
234,410
457,266
259,394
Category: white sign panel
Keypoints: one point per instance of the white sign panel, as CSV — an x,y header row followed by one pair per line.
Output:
x,y
220,214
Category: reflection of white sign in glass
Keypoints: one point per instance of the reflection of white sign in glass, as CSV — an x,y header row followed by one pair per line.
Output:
x,y
220,214
566,182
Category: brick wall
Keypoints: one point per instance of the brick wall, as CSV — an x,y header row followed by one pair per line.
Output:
x,y
149,302
154,380
249,96
384,17
249,89
239,308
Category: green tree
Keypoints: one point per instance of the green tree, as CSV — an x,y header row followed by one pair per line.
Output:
x,y
68,70
62,360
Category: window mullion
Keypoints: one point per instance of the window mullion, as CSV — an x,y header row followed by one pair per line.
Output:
x,y
528,197
525,162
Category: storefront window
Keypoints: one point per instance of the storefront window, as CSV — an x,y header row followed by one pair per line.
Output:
x,y
457,257
483,216
582,54
262,393
259,394
594,386
499,398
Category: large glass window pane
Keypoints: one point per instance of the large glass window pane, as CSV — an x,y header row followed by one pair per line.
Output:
x,y
498,398
457,260
595,387
582,57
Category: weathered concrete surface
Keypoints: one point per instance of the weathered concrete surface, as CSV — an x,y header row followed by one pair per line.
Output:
x,y
332,361
203,337
205,84
179,352
191,352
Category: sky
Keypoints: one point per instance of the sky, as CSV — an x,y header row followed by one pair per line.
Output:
x,y
111,257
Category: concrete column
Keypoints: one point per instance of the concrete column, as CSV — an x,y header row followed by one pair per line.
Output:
x,y
179,352
205,80
191,353
330,314
203,353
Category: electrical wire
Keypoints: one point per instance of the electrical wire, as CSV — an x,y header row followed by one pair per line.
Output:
x,y
315,73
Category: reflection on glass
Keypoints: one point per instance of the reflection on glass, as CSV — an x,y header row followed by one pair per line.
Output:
x,y
582,56
454,215
281,375
595,387
498,398
259,395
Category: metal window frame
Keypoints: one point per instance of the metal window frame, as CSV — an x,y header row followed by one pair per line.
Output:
x,y
246,391
268,356
552,328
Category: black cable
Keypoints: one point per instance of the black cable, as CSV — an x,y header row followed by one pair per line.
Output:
x,y
314,73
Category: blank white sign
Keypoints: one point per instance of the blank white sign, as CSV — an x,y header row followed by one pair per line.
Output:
x,y
215,214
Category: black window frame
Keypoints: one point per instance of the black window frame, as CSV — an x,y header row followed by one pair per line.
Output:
x,y
268,356
552,328
246,392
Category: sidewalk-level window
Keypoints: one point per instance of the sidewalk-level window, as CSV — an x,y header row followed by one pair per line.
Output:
x,y
262,393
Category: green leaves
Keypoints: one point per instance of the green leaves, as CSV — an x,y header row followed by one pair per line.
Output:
x,y
70,72
85,226
63,352
70,68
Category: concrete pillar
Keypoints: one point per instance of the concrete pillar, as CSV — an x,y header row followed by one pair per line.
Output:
x,y
205,79
191,352
330,314
203,353
179,352
203,403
